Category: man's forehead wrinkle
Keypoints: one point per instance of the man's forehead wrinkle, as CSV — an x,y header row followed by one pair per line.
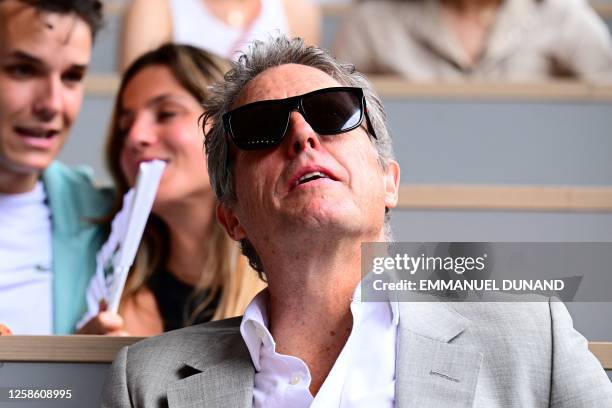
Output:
x,y
275,83
260,90
38,22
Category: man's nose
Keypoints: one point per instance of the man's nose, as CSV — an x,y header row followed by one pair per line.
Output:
x,y
49,99
300,135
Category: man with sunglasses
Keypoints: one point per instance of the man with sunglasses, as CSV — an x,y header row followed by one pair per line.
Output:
x,y
300,158
48,240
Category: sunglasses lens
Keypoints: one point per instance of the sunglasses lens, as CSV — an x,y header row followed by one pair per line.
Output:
x,y
328,111
259,126
333,112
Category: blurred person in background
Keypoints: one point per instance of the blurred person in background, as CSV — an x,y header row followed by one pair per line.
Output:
x,y
485,40
187,269
223,27
47,240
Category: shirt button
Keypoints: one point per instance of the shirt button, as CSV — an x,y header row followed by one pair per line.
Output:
x,y
295,379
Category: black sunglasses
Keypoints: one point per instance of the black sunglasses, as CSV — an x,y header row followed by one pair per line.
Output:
x,y
328,111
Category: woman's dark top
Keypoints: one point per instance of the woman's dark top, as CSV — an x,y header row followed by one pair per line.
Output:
x,y
175,303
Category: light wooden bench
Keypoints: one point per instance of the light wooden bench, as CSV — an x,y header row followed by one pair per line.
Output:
x,y
102,349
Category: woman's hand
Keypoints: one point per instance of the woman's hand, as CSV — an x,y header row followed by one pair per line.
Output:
x,y
105,322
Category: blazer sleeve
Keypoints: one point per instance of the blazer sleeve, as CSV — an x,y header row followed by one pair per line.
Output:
x,y
578,379
115,392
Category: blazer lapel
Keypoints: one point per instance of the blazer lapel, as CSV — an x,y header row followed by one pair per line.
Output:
x,y
430,372
226,382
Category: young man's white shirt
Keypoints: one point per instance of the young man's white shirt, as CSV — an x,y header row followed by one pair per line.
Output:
x,y
25,262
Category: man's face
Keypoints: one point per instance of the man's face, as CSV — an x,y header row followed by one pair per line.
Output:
x,y
43,58
271,198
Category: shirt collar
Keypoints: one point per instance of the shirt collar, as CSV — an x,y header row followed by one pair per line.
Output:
x,y
393,304
254,325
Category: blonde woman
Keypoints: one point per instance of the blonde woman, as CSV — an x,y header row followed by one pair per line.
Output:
x,y
187,270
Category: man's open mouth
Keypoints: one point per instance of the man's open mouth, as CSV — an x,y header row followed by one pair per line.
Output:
x,y
36,132
311,176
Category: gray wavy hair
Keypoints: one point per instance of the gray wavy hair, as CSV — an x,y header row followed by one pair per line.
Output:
x,y
261,56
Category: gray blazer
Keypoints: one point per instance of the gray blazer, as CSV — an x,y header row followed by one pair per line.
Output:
x,y
450,355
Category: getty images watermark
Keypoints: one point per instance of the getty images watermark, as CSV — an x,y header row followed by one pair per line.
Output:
x,y
477,271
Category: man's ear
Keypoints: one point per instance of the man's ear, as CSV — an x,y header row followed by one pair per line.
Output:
x,y
392,180
231,223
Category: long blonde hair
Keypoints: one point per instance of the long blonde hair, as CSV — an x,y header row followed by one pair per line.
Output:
x,y
231,279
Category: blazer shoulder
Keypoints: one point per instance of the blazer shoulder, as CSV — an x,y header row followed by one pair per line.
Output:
x,y
142,372
209,331
519,331
516,313
202,339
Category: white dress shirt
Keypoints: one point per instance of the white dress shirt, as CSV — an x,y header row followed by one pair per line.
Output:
x,y
362,376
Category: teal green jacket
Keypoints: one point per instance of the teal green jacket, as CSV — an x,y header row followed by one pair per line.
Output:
x,y
74,203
